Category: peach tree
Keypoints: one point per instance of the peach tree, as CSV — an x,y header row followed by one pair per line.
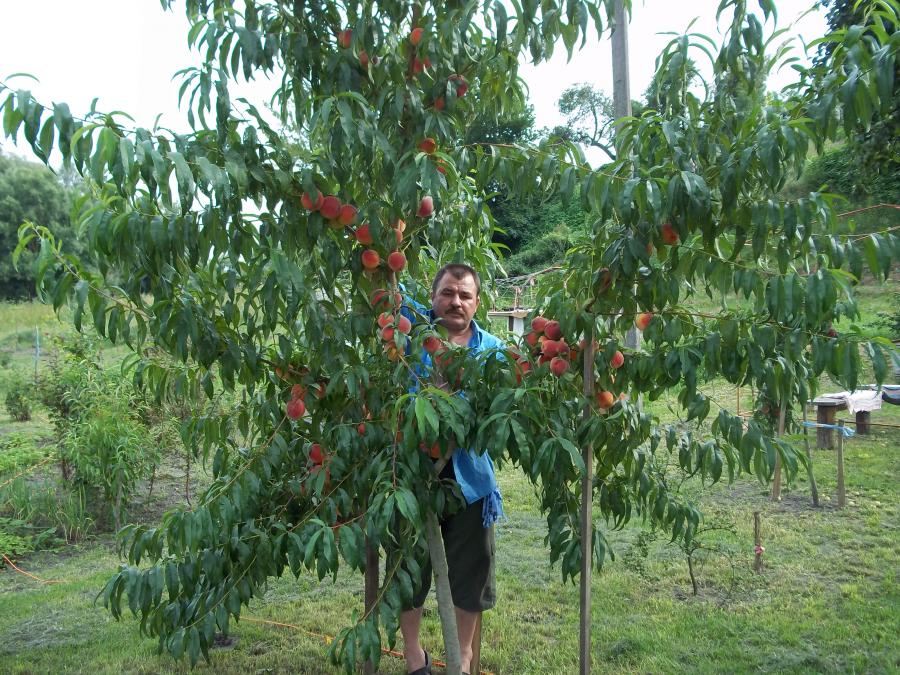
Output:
x,y
241,260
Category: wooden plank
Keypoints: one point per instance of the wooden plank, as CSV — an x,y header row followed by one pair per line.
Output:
x,y
475,664
371,590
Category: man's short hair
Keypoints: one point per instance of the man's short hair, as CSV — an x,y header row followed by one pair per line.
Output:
x,y
457,271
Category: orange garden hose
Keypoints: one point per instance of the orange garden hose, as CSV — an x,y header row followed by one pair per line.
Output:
x,y
29,574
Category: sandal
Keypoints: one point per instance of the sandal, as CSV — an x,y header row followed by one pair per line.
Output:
x,y
424,670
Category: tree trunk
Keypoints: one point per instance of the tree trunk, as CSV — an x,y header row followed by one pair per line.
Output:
x,y
444,598
690,560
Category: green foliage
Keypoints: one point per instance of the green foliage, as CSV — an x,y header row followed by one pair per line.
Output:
x,y
105,442
839,170
17,538
218,278
19,395
17,452
29,192
545,251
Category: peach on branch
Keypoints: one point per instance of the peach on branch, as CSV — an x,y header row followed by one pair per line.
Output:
x,y
461,85
312,205
417,65
347,215
361,428
331,207
385,319
605,399
428,145
431,344
399,224
643,320
370,259
363,235
298,391
396,261
316,456
617,360
538,323
668,233
345,37
440,103
426,207
531,339
415,37
398,235
552,330
387,333
558,366
295,409
363,59
404,325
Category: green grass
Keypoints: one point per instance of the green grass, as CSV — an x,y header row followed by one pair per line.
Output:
x,y
826,601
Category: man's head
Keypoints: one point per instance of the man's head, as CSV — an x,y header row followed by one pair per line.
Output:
x,y
454,296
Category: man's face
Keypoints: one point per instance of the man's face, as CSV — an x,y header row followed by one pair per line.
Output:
x,y
454,302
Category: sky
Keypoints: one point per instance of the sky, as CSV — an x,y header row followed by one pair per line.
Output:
x,y
125,52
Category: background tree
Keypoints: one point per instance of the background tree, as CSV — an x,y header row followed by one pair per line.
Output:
x,y
30,192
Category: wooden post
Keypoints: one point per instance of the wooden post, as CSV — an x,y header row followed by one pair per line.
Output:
x,y
446,610
587,520
776,481
371,590
809,462
757,543
842,492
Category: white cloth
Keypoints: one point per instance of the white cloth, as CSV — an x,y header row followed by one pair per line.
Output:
x,y
857,401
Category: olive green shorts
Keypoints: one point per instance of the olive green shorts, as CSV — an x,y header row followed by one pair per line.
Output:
x,y
470,559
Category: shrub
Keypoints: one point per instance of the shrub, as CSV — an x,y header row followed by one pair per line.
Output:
x,y
19,395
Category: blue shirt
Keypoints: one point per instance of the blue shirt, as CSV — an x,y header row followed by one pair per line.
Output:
x,y
474,470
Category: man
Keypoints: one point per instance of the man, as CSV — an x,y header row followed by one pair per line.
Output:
x,y
468,534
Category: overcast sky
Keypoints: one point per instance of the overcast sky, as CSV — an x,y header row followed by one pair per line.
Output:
x,y
126,51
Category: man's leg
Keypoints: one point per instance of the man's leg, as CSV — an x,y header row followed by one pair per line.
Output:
x,y
412,650
465,626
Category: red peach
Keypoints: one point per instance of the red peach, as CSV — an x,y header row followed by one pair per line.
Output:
x,y
347,215
363,235
617,360
552,330
308,202
370,259
426,207
428,145
415,37
558,366
331,207
295,409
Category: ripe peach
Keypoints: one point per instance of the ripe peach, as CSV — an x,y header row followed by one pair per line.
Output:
x,y
385,319
605,399
552,330
538,323
552,348
295,409
428,145
461,85
345,37
431,344
399,224
531,339
396,261
361,428
558,366
331,207
387,334
308,202
643,320
440,165
668,233
404,325
316,456
347,215
440,103
298,391
363,59
426,207
417,65
398,235
617,360
363,235
415,37
370,259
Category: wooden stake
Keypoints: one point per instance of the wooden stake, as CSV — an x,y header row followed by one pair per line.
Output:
x,y
842,492
587,520
371,590
757,543
446,610
776,481
809,463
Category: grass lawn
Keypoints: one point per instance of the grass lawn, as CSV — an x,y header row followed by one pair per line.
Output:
x,y
827,599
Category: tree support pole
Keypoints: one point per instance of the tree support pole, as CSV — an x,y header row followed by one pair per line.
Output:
x,y
587,520
371,590
776,481
841,488
809,465
444,597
